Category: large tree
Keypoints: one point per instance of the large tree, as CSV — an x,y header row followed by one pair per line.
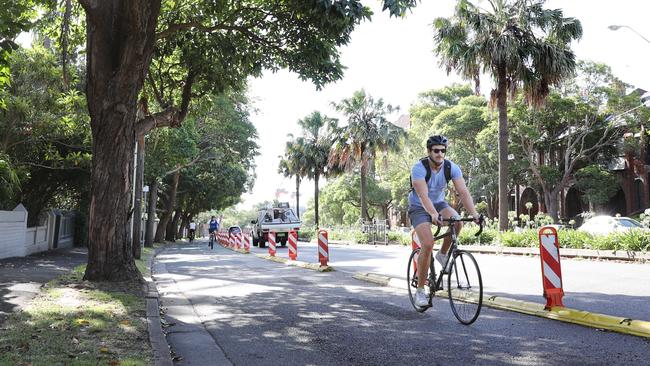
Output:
x,y
294,164
368,133
519,44
46,148
247,36
16,17
583,119
316,129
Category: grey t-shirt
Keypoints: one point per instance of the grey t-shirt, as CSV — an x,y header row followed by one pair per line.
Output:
x,y
437,182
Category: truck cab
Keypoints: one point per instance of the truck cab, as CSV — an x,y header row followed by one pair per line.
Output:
x,y
280,219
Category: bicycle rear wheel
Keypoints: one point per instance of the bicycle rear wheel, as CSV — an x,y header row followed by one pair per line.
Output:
x,y
465,287
412,281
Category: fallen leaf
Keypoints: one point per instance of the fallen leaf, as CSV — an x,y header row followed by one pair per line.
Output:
x,y
82,322
113,362
103,350
124,322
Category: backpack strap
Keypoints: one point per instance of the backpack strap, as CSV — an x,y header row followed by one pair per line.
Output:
x,y
427,167
447,168
427,177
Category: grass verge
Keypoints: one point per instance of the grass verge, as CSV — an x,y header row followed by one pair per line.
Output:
x,y
76,322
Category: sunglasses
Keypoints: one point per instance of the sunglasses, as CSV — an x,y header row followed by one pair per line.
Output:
x,y
444,151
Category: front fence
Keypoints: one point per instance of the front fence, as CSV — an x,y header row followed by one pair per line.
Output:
x,y
17,240
376,230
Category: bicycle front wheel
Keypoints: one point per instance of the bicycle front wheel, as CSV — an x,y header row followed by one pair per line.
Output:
x,y
465,287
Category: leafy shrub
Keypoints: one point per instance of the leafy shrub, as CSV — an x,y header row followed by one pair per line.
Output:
x,y
399,237
467,235
306,235
358,237
575,239
524,238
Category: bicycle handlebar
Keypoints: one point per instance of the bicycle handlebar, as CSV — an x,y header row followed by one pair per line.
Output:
x,y
453,220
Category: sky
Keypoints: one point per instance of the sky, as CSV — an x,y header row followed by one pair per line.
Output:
x,y
392,59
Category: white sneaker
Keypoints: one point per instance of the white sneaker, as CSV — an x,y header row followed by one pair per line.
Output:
x,y
421,298
441,258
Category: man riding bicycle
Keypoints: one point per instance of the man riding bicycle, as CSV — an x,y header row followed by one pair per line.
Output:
x,y
214,227
192,231
427,204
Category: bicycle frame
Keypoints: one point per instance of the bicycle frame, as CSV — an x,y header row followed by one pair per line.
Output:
x,y
452,250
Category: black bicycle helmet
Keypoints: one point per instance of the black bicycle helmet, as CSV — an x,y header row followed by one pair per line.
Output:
x,y
436,140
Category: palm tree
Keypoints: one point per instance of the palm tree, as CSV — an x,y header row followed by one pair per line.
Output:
x,y
294,164
368,132
521,45
316,149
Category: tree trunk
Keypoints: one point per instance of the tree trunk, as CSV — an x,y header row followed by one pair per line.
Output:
x,y
364,209
137,205
120,41
173,226
493,208
169,210
550,198
151,213
184,223
316,177
298,195
503,149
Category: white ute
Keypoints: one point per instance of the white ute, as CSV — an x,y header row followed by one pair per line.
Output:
x,y
280,219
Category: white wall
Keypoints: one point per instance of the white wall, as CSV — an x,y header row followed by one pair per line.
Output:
x,y
16,240
36,240
13,225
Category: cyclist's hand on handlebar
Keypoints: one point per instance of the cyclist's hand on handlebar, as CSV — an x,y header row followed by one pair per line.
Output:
x,y
437,220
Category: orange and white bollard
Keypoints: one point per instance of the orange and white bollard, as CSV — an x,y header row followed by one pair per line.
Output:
x,y
271,237
293,245
247,243
549,249
323,251
239,237
415,244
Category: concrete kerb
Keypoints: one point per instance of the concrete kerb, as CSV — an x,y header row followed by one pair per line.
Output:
x,y
159,345
289,262
638,328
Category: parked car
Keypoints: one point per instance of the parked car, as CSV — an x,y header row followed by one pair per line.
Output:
x,y
603,225
233,230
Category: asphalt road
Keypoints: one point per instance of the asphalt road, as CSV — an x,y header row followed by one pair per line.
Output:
x,y
230,308
605,287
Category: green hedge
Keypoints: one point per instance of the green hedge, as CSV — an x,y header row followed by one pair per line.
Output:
x,y
633,240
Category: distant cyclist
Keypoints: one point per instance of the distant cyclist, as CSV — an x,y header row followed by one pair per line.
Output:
x,y
214,227
192,232
429,178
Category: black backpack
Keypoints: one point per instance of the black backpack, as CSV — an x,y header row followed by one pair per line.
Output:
x,y
425,162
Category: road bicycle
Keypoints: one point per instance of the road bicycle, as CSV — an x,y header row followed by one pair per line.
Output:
x,y
464,283
212,238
